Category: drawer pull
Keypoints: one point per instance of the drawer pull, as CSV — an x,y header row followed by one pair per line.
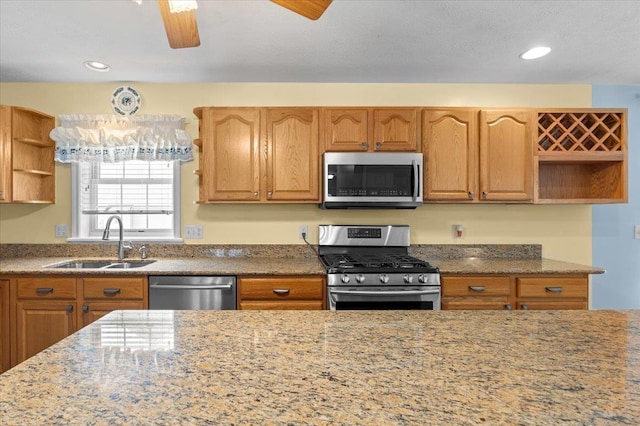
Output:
x,y
524,307
44,290
70,308
281,291
85,309
477,288
111,291
553,289
508,307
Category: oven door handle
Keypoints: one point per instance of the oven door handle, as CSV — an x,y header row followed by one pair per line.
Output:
x,y
386,293
416,179
192,287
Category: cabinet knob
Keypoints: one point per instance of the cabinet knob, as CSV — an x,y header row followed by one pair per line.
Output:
x,y
470,195
508,307
524,307
85,309
378,146
269,194
365,145
484,194
70,308
255,194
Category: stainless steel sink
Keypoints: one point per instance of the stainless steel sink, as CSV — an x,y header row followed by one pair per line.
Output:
x,y
100,264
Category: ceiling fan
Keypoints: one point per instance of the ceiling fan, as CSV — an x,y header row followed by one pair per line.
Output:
x,y
182,29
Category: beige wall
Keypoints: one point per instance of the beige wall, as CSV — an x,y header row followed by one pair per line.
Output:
x,y
563,231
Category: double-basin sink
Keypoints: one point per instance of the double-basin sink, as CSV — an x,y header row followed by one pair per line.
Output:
x,y
100,264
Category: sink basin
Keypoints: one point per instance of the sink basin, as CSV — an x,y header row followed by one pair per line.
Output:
x,y
100,264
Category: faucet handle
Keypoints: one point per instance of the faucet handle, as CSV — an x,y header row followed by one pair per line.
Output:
x,y
127,246
143,252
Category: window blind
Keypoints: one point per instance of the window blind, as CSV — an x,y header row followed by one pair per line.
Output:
x,y
129,187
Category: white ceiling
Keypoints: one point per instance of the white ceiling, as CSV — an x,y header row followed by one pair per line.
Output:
x,y
400,41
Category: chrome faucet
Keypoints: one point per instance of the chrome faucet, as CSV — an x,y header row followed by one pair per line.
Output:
x,y
122,247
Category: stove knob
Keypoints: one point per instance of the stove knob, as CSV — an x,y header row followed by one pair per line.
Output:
x,y
408,278
384,279
360,278
423,279
346,278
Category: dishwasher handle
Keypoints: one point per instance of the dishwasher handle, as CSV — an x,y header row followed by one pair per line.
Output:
x,y
192,287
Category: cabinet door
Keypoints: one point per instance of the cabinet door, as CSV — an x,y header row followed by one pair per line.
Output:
x,y
231,150
4,326
345,129
93,310
5,154
292,154
40,324
450,147
395,129
506,155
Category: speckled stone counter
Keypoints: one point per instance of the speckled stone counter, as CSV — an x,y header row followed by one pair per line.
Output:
x,y
323,367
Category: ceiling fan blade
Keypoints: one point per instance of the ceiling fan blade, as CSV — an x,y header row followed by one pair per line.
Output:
x,y
181,28
311,9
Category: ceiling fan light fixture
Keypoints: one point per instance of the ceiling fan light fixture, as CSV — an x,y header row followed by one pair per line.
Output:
x,y
536,52
178,6
97,66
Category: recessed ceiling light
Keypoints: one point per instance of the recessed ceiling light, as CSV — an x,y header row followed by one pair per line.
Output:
x,y
97,66
536,52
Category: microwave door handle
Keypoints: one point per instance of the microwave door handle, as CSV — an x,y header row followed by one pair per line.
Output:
x,y
416,179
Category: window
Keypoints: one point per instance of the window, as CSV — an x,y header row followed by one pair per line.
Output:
x,y
145,194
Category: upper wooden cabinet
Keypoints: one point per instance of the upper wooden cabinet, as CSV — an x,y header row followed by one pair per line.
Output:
x,y
27,165
473,155
506,155
581,156
369,129
450,147
259,154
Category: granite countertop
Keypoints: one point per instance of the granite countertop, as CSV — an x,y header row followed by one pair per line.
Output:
x,y
324,367
287,266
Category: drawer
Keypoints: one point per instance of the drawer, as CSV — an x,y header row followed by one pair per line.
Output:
x,y
285,288
297,305
475,286
114,288
555,287
552,306
46,288
476,303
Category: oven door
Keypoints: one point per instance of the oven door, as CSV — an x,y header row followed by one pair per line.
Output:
x,y
384,298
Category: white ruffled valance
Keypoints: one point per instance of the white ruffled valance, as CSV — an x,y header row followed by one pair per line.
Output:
x,y
114,138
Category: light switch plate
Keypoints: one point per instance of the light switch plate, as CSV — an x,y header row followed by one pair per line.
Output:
x,y
62,230
636,232
193,231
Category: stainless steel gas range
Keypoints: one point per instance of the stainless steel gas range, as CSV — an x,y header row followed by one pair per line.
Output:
x,y
368,267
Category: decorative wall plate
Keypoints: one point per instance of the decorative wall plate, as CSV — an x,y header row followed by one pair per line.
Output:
x,y
125,100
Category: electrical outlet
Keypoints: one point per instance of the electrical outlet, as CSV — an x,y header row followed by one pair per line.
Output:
x,y
303,229
62,230
193,231
636,232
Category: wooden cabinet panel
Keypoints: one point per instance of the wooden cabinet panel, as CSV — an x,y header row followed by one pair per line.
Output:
x,y
46,288
92,311
292,154
552,288
231,153
6,167
345,129
5,359
112,288
41,323
506,155
450,147
395,129
298,305
281,292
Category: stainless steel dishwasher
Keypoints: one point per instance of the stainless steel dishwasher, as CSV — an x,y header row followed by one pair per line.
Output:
x,y
185,292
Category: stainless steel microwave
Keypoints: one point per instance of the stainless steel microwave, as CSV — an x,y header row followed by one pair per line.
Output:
x,y
372,180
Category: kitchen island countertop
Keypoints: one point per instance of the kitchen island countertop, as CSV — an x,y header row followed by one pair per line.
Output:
x,y
315,367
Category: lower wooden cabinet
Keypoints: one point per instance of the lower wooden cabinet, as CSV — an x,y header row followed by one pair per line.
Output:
x,y
48,309
515,292
5,363
279,293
